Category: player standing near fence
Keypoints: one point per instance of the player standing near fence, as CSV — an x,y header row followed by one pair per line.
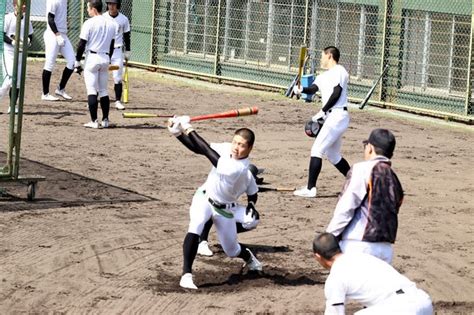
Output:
x,y
56,41
122,40
9,29
97,36
333,87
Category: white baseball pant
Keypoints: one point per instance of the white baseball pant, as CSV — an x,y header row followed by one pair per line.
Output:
x,y
117,59
96,74
380,250
51,50
328,142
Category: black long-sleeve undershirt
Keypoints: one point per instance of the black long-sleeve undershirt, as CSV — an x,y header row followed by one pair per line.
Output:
x,y
336,94
51,23
81,47
198,145
126,40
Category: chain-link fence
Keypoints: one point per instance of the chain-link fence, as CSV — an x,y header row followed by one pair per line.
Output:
x,y
428,45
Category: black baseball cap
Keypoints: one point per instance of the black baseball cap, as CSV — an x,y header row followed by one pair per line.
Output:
x,y
382,139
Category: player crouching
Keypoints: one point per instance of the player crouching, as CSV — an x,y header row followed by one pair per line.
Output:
x,y
217,197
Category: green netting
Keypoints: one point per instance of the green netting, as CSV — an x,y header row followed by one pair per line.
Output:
x,y
427,44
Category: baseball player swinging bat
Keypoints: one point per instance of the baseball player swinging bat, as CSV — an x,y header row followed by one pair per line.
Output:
x,y
372,89
246,111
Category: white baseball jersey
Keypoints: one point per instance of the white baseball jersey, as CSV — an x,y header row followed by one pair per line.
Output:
x,y
231,178
123,26
328,80
9,28
59,9
98,32
372,282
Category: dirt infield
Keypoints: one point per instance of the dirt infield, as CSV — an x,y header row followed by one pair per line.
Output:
x,y
105,232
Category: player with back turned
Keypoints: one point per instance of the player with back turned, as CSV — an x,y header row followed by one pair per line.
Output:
x,y
218,197
122,41
333,87
56,41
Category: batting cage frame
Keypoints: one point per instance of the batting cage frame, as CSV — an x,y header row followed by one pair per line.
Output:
x,y
10,172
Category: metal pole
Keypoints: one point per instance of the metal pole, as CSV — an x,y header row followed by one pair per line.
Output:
x,y
248,13
218,34
270,28
16,164
361,50
383,61
152,31
468,106
306,13
290,35
451,54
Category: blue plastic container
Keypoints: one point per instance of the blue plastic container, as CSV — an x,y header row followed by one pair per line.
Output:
x,y
306,81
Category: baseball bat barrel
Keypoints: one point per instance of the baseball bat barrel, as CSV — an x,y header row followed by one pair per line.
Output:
x,y
262,189
246,111
125,83
372,89
144,115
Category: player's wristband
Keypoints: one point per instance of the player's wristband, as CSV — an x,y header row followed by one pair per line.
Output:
x,y
188,131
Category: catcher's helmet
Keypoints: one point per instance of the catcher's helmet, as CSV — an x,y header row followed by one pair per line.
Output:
x,y
312,128
118,2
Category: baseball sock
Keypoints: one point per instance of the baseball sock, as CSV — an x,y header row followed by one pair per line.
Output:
x,y
190,247
92,101
17,94
118,91
240,228
46,81
315,165
105,105
66,75
205,230
244,253
343,167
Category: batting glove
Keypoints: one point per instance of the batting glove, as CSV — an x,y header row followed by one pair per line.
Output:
x,y
60,40
78,67
297,89
174,127
251,209
127,55
184,121
320,115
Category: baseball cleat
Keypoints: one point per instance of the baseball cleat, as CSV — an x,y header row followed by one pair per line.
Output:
x,y
105,123
119,105
204,249
187,281
63,94
92,124
305,192
253,263
49,97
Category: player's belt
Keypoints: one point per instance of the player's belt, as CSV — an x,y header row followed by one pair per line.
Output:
x,y
221,206
118,47
399,291
95,52
343,108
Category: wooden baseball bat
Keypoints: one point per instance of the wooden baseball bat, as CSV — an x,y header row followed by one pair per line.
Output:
x,y
262,189
372,89
113,67
246,111
301,63
144,115
125,83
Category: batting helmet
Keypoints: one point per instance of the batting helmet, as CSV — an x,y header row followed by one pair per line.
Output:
x,y
117,2
312,128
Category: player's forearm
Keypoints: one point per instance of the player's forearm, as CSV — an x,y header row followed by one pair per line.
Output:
x,y
336,94
310,90
184,139
81,47
203,147
6,39
252,198
126,39
52,24
111,48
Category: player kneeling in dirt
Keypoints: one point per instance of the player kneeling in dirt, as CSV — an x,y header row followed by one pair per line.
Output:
x,y
368,280
217,197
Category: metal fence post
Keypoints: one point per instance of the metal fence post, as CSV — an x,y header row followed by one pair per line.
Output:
x,y
217,70
469,104
306,14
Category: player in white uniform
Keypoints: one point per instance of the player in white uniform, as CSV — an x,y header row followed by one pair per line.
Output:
x,y
366,215
97,36
333,87
368,280
56,41
217,198
9,28
122,40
